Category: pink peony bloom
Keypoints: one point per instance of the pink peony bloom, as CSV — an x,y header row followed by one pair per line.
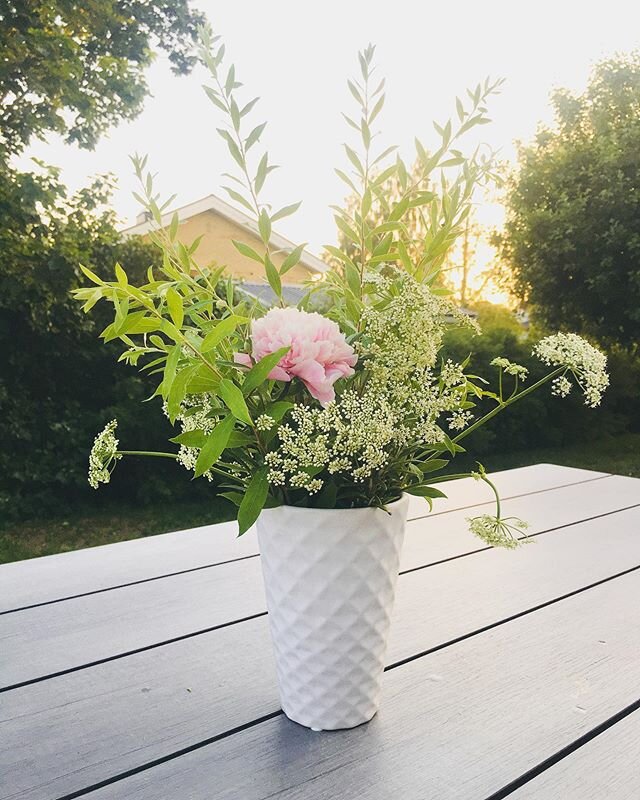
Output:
x,y
319,354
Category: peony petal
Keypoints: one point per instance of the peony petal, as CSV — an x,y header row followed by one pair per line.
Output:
x,y
279,374
243,358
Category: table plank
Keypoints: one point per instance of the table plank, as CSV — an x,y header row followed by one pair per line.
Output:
x,y
48,639
607,766
458,724
24,583
145,706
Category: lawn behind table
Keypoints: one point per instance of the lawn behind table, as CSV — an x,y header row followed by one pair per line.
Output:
x,y
83,528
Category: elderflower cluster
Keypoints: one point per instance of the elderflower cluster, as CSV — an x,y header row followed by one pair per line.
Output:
x,y
508,532
103,455
587,364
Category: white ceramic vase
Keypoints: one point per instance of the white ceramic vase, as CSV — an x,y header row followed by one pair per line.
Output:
x,y
330,579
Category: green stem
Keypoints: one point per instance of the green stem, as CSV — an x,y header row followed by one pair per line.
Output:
x,y
146,453
501,406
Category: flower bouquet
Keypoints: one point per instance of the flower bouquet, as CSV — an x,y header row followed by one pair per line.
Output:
x,y
320,425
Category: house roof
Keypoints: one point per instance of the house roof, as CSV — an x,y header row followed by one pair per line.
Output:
x,y
292,295
213,203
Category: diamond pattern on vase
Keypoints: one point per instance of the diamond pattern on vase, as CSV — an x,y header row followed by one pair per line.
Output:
x,y
330,577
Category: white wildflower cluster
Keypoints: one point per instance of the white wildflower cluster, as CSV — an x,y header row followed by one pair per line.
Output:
x,y
403,330
264,422
350,435
508,532
103,455
510,368
587,364
459,420
561,386
195,415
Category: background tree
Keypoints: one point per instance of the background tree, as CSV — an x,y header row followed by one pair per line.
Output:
x,y
572,236
76,68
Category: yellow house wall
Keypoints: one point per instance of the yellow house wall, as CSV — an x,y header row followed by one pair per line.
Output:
x,y
216,247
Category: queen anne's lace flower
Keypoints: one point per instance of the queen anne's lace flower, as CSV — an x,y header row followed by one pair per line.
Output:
x,y
103,455
508,532
587,364
510,368
561,386
459,420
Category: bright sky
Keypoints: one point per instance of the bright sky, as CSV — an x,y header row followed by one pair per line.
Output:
x,y
297,55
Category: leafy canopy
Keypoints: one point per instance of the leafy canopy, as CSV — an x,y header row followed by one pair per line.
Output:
x,y
76,68
572,237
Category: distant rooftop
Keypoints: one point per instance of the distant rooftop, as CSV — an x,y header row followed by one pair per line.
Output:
x,y
292,295
213,203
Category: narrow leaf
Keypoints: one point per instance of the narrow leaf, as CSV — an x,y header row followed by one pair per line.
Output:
x,y
253,501
232,397
214,446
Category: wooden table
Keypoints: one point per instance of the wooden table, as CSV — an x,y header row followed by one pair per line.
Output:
x,y
143,670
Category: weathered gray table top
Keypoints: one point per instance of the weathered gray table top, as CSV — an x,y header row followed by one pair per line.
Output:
x,y
144,670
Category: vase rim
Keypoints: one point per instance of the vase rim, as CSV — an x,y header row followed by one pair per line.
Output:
x,y
404,497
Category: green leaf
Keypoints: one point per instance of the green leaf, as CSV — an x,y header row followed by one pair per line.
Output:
x,y
203,381
352,275
234,497
214,446
246,109
178,391
121,275
253,501
262,172
223,329
173,227
239,198
233,147
433,465
247,251
258,373
273,276
424,491
233,398
292,259
264,226
346,229
170,367
286,211
195,438
231,77
174,302
278,409
353,158
253,137
91,275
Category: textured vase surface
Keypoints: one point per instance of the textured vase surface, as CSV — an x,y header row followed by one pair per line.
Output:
x,y
330,579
